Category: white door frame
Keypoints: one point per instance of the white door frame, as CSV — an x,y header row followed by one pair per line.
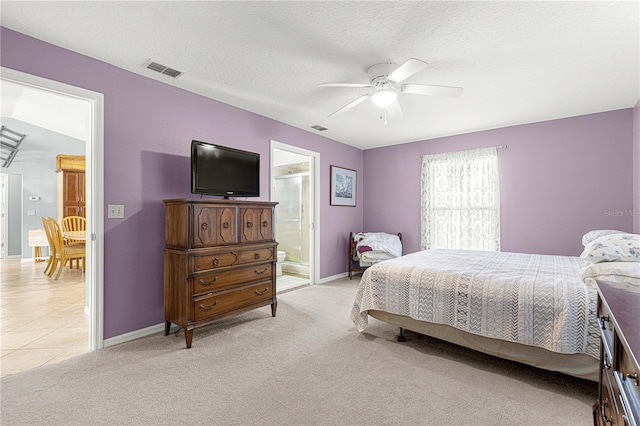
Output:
x,y
94,192
4,194
314,185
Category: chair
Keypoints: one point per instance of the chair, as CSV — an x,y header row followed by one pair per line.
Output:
x,y
74,223
49,268
354,262
64,252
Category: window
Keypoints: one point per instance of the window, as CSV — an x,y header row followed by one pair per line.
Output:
x,y
461,200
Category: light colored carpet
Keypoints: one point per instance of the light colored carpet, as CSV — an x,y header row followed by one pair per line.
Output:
x,y
308,365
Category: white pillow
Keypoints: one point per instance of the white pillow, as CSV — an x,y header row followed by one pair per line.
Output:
x,y
592,235
613,248
617,272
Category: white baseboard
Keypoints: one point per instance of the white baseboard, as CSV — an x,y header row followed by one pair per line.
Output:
x,y
132,335
333,277
136,334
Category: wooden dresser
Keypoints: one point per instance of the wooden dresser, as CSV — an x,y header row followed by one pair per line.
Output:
x,y
219,260
618,389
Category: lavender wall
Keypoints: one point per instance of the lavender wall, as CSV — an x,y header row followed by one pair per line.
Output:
x,y
558,180
636,168
148,129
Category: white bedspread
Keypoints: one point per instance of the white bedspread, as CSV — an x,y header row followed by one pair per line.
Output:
x,y
530,299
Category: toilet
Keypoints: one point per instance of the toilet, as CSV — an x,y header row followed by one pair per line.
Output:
x,y
281,256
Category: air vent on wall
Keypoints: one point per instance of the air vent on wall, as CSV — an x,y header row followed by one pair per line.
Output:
x,y
319,128
162,69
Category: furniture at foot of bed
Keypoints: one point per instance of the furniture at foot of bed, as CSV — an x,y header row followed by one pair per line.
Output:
x,y
619,385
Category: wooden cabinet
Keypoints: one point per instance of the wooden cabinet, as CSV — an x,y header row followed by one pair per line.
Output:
x,y
219,260
619,387
70,171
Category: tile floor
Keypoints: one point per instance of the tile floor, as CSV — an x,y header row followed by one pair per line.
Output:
x,y
290,281
42,320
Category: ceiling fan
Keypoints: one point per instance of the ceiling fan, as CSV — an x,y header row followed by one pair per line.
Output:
x,y
386,80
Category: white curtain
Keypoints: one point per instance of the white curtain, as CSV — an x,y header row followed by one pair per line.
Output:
x,y
461,200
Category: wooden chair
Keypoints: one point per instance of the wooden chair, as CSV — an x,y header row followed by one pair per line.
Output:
x,y
49,268
64,253
74,223
354,263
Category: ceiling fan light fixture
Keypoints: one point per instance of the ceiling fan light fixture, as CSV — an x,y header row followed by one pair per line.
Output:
x,y
384,97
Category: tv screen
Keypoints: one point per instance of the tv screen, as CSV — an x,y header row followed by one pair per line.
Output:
x,y
224,171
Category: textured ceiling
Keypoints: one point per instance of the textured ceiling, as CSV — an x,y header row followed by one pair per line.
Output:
x,y
518,62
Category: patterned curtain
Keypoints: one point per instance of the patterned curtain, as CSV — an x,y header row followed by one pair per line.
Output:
x,y
461,200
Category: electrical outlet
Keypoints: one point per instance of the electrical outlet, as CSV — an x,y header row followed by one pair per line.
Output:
x,y
31,212
115,211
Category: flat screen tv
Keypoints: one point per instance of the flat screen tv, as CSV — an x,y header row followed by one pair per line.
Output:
x,y
220,170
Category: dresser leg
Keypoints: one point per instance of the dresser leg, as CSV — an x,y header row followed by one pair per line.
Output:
x,y
274,307
188,337
167,327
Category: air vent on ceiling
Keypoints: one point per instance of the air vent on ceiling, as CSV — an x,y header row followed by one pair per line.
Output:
x,y
162,69
319,128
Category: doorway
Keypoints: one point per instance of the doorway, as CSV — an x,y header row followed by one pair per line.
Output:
x,y
94,187
294,183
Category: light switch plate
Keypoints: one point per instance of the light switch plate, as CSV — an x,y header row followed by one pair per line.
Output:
x,y
115,211
31,212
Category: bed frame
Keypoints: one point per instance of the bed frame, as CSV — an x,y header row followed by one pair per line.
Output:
x,y
354,264
577,365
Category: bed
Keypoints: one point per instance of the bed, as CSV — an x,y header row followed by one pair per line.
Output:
x,y
529,308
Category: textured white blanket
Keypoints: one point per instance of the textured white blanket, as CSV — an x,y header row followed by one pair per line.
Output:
x,y
530,299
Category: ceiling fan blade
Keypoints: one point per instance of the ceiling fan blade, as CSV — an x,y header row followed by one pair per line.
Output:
x,y
350,105
429,89
395,111
345,85
406,70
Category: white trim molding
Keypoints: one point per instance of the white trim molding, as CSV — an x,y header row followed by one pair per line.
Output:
x,y
94,188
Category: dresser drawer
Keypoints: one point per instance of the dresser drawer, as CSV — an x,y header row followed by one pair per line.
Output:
x,y
609,408
606,325
212,305
213,261
223,280
257,255
630,381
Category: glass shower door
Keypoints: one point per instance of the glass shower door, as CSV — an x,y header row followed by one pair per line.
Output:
x,y
288,214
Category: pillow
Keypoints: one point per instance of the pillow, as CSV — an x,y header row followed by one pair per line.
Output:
x,y
592,235
617,272
613,248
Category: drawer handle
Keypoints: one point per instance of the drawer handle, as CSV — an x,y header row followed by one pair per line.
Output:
x,y
209,282
208,308
256,256
205,226
265,224
261,293
249,225
633,376
603,319
261,272
225,225
216,261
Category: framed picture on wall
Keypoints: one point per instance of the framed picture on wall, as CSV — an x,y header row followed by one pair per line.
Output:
x,y
343,187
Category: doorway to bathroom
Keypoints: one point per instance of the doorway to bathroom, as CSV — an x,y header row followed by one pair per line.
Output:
x,y
293,186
